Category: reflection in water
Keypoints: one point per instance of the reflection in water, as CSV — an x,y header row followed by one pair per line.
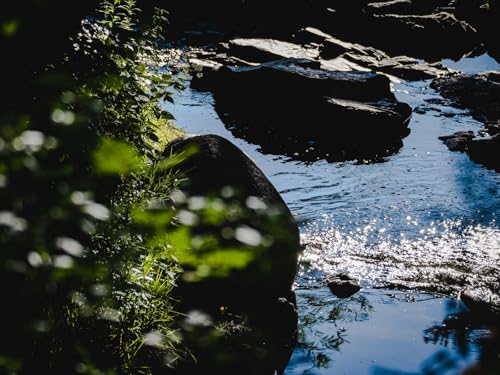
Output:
x,y
382,332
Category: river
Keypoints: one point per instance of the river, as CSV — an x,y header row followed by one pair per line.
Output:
x,y
416,229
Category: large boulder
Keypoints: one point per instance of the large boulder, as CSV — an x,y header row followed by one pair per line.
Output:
x,y
243,320
214,165
295,108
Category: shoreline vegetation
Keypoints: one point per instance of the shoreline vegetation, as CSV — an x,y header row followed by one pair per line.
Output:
x,y
86,271
107,266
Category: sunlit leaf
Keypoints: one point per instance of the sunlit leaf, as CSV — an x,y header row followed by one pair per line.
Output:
x,y
10,27
115,158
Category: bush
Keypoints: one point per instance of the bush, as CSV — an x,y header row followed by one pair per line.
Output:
x,y
84,290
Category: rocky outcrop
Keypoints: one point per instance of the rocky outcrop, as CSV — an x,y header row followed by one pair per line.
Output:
x,y
453,27
336,54
431,36
482,150
259,50
329,52
480,93
486,151
408,7
294,107
244,319
422,29
457,141
483,15
430,29
256,81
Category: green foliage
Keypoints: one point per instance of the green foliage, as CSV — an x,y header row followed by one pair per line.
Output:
x,y
83,291
92,231
127,75
115,158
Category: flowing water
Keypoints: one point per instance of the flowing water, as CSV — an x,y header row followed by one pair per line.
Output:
x,y
425,219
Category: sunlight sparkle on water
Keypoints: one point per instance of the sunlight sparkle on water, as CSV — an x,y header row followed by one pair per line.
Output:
x,y
445,257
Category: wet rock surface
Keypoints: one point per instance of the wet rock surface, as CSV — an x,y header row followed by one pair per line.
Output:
x,y
480,93
338,53
457,141
295,108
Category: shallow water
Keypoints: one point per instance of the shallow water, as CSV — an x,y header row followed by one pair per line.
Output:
x,y
425,218
378,332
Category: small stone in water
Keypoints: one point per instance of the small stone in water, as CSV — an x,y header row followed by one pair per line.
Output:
x,y
342,285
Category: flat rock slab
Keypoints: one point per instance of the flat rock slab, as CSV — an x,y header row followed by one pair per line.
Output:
x,y
303,76
262,50
332,54
335,52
